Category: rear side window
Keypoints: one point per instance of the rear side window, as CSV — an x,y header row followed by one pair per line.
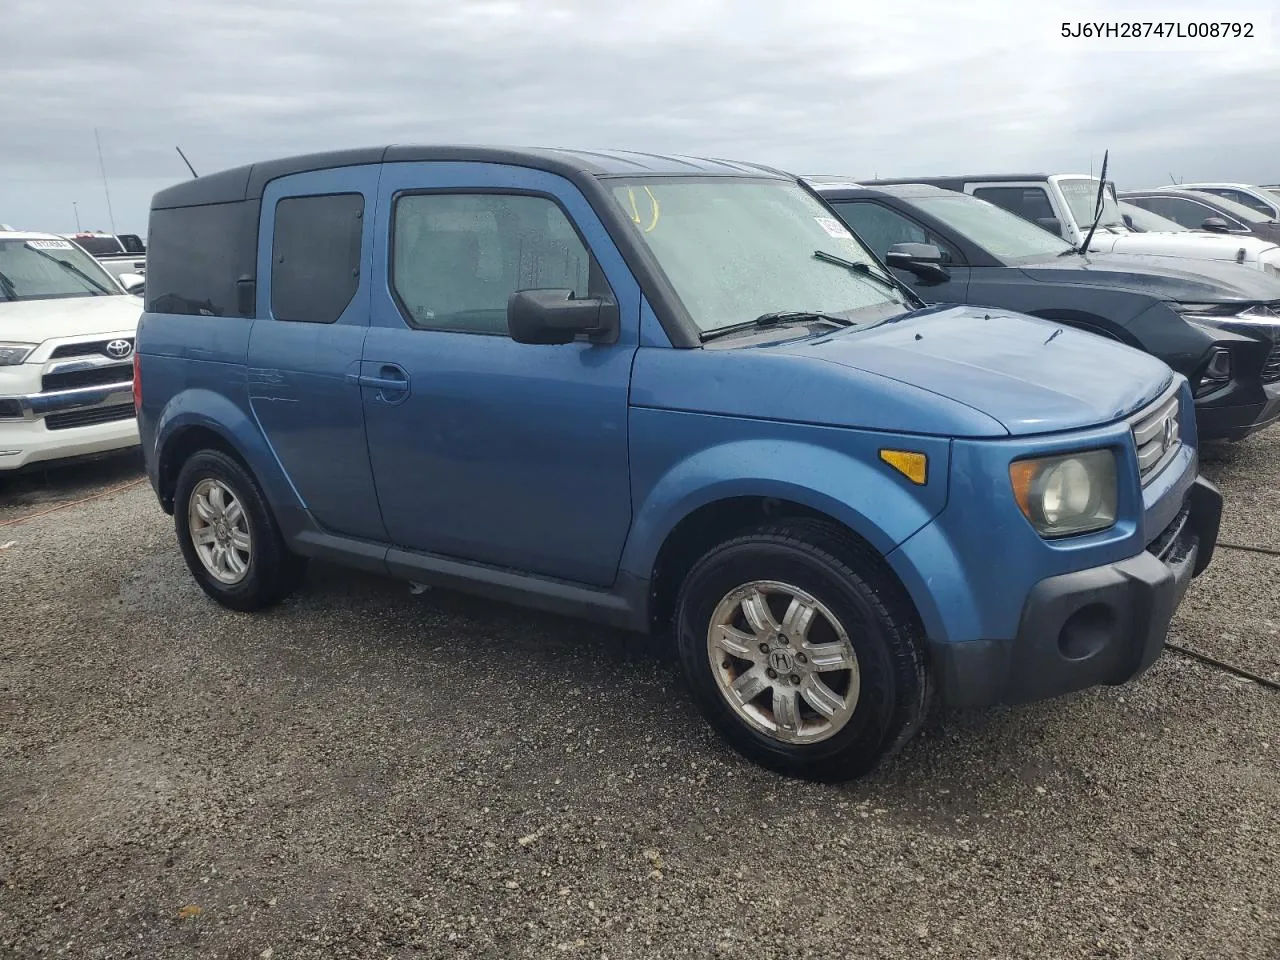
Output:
x,y
198,255
457,257
1030,203
315,256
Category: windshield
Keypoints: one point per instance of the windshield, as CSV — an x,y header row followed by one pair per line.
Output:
x,y
1002,234
47,269
1082,195
735,250
1147,222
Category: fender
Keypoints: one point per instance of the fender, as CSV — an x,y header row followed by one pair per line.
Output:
x,y
200,407
1092,323
934,575
851,486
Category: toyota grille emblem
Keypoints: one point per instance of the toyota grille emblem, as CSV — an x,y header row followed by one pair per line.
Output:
x,y
1170,432
119,349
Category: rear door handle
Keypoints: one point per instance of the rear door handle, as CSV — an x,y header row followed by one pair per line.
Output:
x,y
391,382
385,383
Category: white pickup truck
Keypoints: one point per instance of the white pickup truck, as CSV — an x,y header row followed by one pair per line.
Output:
x,y
1064,203
67,329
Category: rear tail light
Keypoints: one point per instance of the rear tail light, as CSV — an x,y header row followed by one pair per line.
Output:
x,y
137,383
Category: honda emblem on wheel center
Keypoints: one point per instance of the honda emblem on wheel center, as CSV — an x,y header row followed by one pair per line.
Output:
x,y
781,661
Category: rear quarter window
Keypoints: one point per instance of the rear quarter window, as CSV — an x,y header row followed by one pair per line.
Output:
x,y
315,256
198,255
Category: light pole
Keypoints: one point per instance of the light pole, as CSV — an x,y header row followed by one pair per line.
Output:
x,y
76,208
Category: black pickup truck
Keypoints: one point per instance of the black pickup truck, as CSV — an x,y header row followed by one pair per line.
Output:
x,y
1218,324
118,253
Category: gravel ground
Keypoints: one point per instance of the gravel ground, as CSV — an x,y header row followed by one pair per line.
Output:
x,y
367,773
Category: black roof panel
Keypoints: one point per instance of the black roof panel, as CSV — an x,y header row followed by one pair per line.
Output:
x,y
247,182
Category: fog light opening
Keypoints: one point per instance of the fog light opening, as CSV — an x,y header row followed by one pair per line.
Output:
x,y
1087,631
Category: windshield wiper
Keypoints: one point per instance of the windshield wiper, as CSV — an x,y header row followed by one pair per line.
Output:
x,y
1098,207
775,319
858,268
93,284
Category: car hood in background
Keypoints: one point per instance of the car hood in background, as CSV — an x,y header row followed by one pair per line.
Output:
x,y
34,321
1196,246
1167,278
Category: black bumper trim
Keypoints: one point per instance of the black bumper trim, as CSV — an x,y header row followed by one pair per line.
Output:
x,y
1104,625
1238,420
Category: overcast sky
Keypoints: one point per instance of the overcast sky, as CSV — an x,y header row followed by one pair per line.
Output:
x,y
892,88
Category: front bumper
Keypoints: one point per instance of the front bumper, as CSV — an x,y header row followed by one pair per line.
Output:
x,y
66,424
1103,625
1235,421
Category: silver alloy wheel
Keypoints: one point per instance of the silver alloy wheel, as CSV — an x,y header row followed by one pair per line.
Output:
x,y
794,678
219,531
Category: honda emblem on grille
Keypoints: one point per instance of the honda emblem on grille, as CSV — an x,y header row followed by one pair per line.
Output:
x,y
119,349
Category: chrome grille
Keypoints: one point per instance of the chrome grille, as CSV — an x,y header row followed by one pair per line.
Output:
x,y
95,347
1157,434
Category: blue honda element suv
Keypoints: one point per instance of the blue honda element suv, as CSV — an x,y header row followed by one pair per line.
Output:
x,y
662,393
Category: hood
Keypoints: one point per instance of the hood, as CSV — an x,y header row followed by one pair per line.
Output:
x,y
1197,246
1032,376
34,321
1179,279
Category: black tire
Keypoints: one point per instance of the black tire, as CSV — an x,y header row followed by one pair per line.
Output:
x,y
273,570
852,583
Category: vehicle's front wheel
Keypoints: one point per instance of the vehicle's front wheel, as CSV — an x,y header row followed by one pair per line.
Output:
x,y
802,652
228,536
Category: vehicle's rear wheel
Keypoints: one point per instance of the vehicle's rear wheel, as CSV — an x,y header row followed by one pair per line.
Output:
x,y
228,536
802,651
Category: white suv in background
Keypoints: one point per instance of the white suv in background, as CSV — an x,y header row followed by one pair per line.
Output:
x,y
67,330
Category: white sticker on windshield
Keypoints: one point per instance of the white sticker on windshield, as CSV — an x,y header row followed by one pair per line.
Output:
x,y
49,244
834,228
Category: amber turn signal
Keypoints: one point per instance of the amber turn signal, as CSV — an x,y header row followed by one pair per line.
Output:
x,y
912,465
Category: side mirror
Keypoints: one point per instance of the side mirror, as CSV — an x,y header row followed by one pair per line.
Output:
x,y
1215,225
1052,224
134,283
556,316
1128,222
922,259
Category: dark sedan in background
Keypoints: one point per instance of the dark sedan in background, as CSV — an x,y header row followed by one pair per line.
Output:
x,y
1197,210
1218,324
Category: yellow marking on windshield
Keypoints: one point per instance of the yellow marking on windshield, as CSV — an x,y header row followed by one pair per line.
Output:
x,y
657,209
635,209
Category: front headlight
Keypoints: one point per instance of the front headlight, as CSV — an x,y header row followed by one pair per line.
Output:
x,y
1066,495
1216,314
14,353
